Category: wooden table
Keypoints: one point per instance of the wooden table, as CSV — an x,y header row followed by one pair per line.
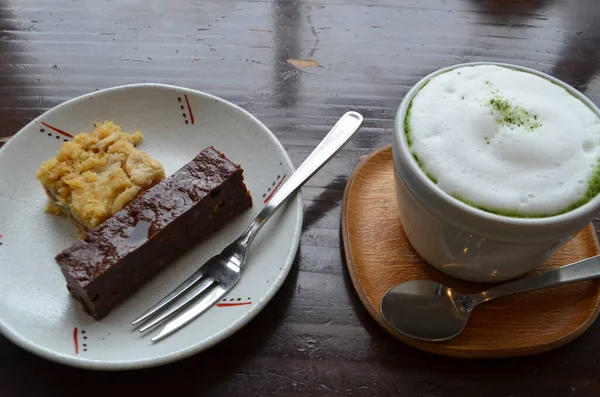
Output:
x,y
297,65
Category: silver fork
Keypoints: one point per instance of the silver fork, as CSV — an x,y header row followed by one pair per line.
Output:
x,y
222,272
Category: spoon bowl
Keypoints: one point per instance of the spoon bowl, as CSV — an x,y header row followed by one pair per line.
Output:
x,y
426,310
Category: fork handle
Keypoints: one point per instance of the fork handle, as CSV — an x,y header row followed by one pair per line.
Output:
x,y
341,132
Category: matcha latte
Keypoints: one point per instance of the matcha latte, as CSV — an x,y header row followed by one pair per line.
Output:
x,y
505,141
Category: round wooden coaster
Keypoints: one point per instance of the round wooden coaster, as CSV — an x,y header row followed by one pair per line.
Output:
x,y
379,256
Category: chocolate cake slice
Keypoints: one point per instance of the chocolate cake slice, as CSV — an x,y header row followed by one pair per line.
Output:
x,y
154,229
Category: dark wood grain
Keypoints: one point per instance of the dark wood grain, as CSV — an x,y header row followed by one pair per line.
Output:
x,y
315,338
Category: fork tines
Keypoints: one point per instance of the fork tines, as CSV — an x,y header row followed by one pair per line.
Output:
x,y
183,295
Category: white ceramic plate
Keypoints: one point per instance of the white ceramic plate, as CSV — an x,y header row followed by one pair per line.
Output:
x,y
37,312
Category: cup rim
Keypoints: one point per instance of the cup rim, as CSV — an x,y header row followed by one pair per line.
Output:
x,y
401,144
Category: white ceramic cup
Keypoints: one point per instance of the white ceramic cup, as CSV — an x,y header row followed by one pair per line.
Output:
x,y
464,241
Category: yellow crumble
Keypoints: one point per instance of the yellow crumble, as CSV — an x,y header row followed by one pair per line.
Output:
x,y
97,174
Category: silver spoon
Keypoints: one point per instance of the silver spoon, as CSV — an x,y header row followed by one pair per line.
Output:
x,y
430,311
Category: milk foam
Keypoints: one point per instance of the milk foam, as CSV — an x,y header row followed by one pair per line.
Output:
x,y
506,141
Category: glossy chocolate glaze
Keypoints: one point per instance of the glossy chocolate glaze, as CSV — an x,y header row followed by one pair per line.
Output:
x,y
152,230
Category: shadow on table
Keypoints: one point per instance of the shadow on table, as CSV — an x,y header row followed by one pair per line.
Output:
x,y
513,13
193,376
325,202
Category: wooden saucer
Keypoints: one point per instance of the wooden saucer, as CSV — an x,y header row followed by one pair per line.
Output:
x,y
379,256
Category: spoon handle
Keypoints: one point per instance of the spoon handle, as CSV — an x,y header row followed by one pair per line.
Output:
x,y
578,271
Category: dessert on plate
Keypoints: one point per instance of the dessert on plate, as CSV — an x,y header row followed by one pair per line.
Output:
x,y
155,228
97,174
134,221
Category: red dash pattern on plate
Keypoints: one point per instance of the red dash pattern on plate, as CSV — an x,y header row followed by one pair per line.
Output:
x,y
76,333
189,109
234,302
187,101
58,132
274,186
75,340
